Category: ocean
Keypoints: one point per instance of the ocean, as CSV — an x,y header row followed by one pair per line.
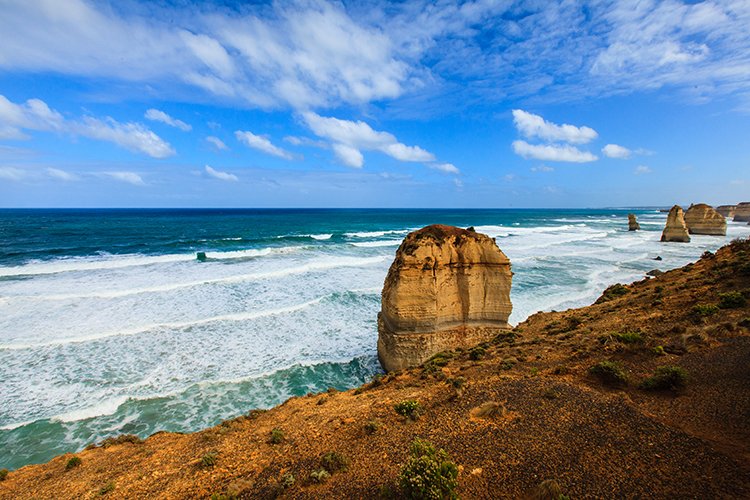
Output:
x,y
109,324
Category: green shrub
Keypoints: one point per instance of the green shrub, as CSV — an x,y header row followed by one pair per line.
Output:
x,y
333,461
610,373
731,300
658,350
611,293
73,463
110,486
457,382
288,480
276,437
665,378
123,438
209,459
631,337
319,476
429,473
408,408
372,426
3,474
477,353
705,309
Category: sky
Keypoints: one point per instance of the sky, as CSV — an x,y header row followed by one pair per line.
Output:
x,y
478,104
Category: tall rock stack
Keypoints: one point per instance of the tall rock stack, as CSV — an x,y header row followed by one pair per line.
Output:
x,y
727,210
703,219
742,214
633,223
447,288
675,229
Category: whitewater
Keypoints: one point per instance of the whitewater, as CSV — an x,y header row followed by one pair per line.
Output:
x,y
109,324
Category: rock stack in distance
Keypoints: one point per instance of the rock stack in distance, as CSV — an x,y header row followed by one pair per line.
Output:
x,y
675,229
703,219
633,223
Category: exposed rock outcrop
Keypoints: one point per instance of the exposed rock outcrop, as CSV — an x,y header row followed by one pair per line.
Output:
x,y
727,210
742,213
703,219
447,288
675,229
633,223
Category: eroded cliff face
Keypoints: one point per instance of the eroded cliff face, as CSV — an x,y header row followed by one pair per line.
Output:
x,y
703,219
742,213
727,210
447,288
676,229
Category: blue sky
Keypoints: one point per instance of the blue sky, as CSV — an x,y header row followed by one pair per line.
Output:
x,y
367,104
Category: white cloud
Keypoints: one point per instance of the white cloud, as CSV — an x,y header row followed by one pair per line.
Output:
x,y
128,177
217,143
34,114
642,169
262,144
616,151
224,176
531,125
542,168
552,152
160,116
62,175
12,174
448,168
350,138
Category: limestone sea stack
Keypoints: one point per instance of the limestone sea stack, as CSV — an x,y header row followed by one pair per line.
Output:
x,y
703,219
633,223
727,210
742,213
675,229
447,288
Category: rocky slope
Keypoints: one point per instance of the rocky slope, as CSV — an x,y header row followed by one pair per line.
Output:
x,y
703,219
675,228
525,407
447,288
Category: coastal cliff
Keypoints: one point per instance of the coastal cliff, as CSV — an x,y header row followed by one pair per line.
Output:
x,y
643,394
447,288
703,219
675,229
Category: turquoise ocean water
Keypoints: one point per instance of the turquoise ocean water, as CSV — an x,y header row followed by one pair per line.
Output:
x,y
109,324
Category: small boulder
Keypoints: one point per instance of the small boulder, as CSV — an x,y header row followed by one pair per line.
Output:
x,y
201,256
633,223
676,230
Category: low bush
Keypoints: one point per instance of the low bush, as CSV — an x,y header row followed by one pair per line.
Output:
x,y
429,473
122,438
209,459
631,337
665,378
73,463
276,436
3,474
732,300
702,310
319,476
334,461
613,292
408,408
372,426
610,373
109,487
477,353
288,480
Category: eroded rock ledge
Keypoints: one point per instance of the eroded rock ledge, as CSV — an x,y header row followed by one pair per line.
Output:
x,y
447,288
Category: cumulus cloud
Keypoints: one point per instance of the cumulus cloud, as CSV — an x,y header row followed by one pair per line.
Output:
x,y
642,169
349,138
262,144
34,114
127,177
62,175
217,143
224,176
160,116
534,126
616,151
552,152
